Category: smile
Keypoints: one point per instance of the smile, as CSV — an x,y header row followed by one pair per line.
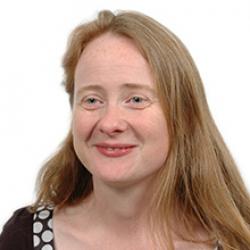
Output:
x,y
115,151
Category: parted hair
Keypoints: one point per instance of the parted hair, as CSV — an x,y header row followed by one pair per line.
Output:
x,y
200,182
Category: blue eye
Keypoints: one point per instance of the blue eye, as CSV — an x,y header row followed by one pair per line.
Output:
x,y
137,99
91,103
91,100
138,102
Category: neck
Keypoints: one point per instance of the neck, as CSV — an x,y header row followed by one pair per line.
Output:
x,y
124,209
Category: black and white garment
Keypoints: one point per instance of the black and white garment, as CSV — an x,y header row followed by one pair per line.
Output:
x,y
43,237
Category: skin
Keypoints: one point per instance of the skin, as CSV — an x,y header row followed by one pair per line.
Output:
x,y
115,65
115,101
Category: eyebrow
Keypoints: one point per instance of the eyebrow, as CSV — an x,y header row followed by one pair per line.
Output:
x,y
132,86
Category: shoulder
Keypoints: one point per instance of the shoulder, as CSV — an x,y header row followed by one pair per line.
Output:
x,y
20,220
17,232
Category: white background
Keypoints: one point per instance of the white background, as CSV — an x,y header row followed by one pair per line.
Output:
x,y
34,110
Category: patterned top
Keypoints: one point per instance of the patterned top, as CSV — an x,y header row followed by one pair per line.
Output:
x,y
43,237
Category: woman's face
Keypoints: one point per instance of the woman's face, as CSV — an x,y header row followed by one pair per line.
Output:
x,y
119,130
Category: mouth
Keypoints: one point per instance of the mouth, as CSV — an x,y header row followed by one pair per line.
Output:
x,y
114,150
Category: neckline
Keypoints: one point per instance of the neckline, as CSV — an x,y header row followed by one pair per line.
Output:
x,y
43,234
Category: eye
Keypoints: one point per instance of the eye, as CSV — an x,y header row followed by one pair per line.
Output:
x,y
138,102
137,99
91,103
91,100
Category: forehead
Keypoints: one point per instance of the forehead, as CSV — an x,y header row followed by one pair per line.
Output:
x,y
108,47
110,51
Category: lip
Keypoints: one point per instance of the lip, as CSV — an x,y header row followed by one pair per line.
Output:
x,y
118,149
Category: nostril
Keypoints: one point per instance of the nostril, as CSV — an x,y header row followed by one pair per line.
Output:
x,y
114,127
111,130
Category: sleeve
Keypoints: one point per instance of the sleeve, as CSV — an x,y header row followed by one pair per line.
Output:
x,y
17,232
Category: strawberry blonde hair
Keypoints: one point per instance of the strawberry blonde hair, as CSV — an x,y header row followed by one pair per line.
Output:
x,y
200,179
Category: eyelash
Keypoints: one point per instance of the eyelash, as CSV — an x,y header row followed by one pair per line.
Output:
x,y
90,105
144,102
138,97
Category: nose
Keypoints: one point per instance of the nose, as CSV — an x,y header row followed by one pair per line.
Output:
x,y
112,121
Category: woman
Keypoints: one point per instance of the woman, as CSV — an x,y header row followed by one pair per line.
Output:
x,y
143,165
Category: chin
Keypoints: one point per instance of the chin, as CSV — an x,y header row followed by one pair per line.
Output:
x,y
118,184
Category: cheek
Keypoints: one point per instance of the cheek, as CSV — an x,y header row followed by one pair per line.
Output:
x,y
154,125
155,134
81,126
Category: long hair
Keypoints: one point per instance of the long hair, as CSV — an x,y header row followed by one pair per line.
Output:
x,y
200,182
